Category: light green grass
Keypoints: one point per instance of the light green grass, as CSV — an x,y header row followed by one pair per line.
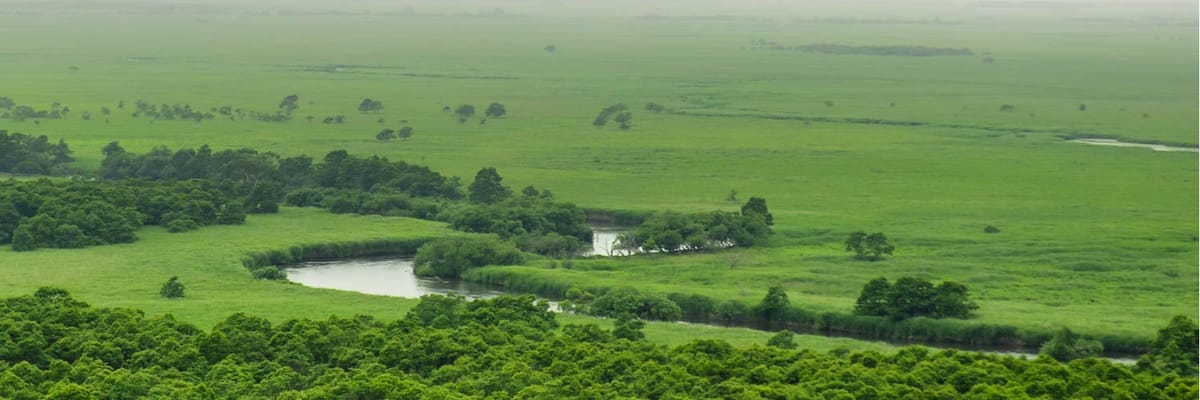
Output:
x,y
1099,239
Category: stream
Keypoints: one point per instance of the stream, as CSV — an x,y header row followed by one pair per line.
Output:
x,y
394,277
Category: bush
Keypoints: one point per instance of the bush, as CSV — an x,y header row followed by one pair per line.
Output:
x,y
450,257
269,273
991,229
628,302
173,289
783,340
181,225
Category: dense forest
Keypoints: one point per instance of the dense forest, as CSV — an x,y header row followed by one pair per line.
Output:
x,y
53,346
79,213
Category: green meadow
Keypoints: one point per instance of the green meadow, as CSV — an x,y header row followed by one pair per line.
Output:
x,y
1099,239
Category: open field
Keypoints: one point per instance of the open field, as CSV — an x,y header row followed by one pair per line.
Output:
x,y
1099,239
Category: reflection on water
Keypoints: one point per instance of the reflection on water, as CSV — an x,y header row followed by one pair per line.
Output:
x,y
388,277
604,241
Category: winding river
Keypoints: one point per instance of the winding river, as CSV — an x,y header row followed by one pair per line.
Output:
x,y
394,277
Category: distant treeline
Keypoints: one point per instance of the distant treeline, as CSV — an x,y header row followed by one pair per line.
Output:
x,y
824,48
57,347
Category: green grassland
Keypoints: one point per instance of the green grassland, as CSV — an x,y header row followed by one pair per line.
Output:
x,y
1099,239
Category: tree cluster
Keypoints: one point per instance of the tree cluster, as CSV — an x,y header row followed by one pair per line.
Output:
x,y
627,302
53,346
71,214
170,112
914,297
450,257
618,112
28,154
368,106
872,247
670,231
535,223
19,112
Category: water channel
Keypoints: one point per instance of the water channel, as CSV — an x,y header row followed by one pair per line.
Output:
x,y
1118,143
394,277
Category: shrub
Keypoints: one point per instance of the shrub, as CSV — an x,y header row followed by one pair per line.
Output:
x,y
181,225
173,289
270,273
991,229
783,340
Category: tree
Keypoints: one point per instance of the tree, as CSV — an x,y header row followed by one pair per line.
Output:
x,y
495,110
368,105
873,300
1175,349
487,187
869,247
385,135
464,112
756,205
910,297
625,119
950,300
405,133
173,289
289,104
1066,346
773,308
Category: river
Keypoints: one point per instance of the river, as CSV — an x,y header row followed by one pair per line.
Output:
x,y
394,277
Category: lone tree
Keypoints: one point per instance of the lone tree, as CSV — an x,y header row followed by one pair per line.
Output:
x,y
464,112
487,188
385,135
756,205
173,289
368,105
869,247
405,133
773,308
495,110
289,103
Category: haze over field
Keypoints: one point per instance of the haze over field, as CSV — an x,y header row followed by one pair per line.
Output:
x,y
840,177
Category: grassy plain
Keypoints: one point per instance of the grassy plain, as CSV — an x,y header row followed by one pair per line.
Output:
x,y
1095,238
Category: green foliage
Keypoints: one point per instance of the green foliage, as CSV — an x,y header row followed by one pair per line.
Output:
x,y
495,110
487,187
464,112
871,247
913,297
1175,349
756,205
451,257
70,214
991,229
507,347
1065,346
670,231
172,289
624,302
28,154
784,339
773,308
